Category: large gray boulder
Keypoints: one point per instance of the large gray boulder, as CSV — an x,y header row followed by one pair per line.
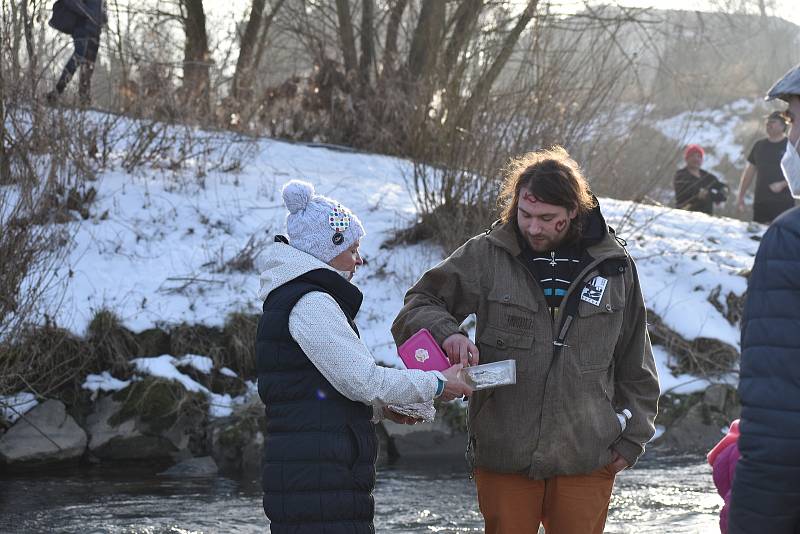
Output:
x,y
235,442
703,424
119,438
46,434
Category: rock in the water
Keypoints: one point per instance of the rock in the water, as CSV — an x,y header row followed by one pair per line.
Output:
x,y
123,441
101,433
425,440
193,467
235,442
716,396
699,429
133,439
46,434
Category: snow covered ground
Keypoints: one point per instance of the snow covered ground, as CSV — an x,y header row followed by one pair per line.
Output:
x,y
713,129
154,251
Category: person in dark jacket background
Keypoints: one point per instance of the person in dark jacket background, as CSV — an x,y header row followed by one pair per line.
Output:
x,y
89,17
772,195
766,487
321,387
696,189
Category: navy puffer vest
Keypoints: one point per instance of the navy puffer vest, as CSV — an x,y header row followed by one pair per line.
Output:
x,y
766,488
318,468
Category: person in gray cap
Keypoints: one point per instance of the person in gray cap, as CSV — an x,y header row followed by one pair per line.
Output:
x,y
788,90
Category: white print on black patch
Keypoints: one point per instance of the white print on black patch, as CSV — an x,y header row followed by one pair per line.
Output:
x,y
593,291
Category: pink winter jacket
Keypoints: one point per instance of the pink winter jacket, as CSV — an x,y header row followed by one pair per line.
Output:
x,y
723,458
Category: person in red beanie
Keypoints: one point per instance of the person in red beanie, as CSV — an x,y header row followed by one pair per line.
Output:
x,y
696,189
723,458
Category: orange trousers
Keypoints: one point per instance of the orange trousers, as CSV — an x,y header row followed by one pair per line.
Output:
x,y
515,504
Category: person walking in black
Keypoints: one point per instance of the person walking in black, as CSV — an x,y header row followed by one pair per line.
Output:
x,y
83,20
696,189
772,196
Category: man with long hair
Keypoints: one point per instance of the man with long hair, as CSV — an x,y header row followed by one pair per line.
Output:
x,y
554,290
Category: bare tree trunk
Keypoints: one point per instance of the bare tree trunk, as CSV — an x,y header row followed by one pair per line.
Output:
x,y
346,36
244,63
481,91
118,39
196,77
27,25
14,40
367,40
5,165
426,40
762,8
392,30
466,17
262,40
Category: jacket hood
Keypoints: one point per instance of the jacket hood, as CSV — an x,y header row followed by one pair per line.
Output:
x,y
283,264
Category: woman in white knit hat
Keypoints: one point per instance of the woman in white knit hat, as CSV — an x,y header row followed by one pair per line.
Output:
x,y
321,386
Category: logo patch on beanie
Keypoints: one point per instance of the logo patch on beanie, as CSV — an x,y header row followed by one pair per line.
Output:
x,y
339,218
339,221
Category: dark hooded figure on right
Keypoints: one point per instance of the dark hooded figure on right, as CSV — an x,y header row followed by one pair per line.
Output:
x,y
766,486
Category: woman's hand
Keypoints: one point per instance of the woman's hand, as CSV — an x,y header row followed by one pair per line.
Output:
x,y
399,418
460,349
455,386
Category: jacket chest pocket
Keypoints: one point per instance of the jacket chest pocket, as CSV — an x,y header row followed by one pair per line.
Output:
x,y
601,311
508,311
503,342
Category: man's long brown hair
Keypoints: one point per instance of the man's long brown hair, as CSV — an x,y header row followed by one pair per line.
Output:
x,y
552,176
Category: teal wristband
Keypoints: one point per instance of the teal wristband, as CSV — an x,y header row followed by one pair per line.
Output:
x,y
439,387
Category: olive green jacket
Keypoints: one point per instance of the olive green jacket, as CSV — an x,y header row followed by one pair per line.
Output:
x,y
560,417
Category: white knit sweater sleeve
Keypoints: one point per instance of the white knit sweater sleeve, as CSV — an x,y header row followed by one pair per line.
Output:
x,y
321,329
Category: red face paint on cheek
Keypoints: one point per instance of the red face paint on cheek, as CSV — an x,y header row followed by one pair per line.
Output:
x,y
527,195
560,225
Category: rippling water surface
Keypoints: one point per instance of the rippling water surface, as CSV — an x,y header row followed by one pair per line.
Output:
x,y
673,494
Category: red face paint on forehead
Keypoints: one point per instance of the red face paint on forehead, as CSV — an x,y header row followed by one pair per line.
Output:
x,y
527,195
560,225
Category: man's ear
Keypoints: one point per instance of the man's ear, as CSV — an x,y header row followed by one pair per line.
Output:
x,y
573,213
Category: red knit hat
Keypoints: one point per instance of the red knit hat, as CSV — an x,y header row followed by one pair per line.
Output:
x,y
691,149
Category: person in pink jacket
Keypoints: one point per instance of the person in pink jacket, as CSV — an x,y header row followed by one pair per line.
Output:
x,y
723,458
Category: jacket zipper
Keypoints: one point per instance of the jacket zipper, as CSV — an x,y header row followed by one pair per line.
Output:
x,y
574,283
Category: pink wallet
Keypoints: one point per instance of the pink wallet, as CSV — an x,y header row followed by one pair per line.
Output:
x,y
421,351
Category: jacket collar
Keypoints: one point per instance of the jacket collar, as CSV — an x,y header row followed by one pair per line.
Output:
x,y
348,296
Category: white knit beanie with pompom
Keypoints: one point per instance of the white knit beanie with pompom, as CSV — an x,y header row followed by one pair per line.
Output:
x,y
318,225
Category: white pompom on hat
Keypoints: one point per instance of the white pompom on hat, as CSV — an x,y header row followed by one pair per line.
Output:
x,y
318,225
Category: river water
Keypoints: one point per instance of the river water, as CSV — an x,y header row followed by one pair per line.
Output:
x,y
662,494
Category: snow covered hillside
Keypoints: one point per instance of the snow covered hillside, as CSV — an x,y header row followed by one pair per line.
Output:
x,y
160,247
